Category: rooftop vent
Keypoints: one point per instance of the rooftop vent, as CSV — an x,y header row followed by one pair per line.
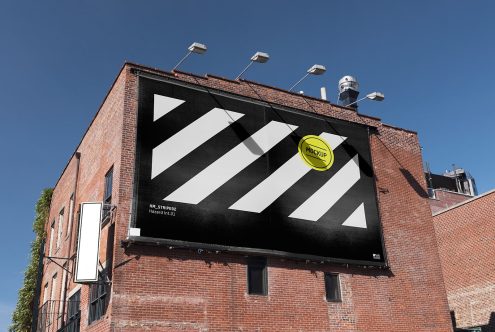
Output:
x,y
348,91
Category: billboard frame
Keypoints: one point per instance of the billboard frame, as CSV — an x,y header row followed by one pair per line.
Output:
x,y
172,243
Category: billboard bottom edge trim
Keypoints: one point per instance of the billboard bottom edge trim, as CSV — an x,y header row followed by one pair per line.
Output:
x,y
176,244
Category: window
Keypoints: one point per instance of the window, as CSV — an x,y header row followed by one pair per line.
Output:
x,y
60,227
62,293
43,321
98,297
52,234
332,287
257,277
45,293
51,312
73,313
474,329
71,213
107,195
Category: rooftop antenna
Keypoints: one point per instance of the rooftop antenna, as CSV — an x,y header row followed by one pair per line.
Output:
x,y
314,70
259,57
194,48
457,182
430,181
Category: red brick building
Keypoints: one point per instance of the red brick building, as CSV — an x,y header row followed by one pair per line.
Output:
x,y
465,234
448,189
148,286
444,199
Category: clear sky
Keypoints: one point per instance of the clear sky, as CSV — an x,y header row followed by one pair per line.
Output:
x,y
434,61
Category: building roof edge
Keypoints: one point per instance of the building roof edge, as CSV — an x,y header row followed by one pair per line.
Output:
x,y
174,74
464,202
92,120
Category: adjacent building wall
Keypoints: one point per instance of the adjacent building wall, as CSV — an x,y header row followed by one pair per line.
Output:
x,y
466,234
444,199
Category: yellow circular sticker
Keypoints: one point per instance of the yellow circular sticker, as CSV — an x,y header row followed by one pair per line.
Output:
x,y
315,152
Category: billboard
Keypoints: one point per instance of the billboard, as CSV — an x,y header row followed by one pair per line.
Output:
x,y
225,171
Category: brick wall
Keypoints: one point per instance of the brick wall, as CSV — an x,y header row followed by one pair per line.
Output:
x,y
444,199
161,289
465,240
99,151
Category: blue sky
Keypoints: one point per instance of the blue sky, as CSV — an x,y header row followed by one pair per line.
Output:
x,y
434,60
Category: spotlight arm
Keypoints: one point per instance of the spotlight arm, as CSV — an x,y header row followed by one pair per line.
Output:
x,y
244,70
314,70
182,60
260,57
194,48
292,87
377,96
357,101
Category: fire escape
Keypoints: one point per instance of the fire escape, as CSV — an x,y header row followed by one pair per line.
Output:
x,y
55,316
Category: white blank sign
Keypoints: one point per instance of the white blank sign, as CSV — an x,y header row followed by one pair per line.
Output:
x,y
89,243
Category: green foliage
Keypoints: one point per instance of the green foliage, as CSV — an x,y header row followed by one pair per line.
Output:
x,y
23,313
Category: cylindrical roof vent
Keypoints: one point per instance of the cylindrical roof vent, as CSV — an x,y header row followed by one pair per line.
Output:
x,y
348,91
348,82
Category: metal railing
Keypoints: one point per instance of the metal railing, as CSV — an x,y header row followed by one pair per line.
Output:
x,y
52,317
107,213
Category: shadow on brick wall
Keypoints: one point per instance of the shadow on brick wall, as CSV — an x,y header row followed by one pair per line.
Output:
x,y
418,188
414,183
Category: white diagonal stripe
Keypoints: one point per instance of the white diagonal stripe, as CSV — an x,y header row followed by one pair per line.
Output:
x,y
325,197
162,105
265,193
231,163
182,143
357,218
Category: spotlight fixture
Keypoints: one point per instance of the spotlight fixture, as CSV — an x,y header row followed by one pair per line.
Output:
x,y
194,48
314,70
197,48
259,57
376,96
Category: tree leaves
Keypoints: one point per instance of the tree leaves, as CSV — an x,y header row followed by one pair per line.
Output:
x,y
22,316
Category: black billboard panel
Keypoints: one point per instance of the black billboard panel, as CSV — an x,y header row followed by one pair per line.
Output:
x,y
220,170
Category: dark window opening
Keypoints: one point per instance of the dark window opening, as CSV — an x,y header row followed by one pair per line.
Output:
x,y
109,253
332,287
52,235
73,313
71,215
98,297
257,276
107,196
